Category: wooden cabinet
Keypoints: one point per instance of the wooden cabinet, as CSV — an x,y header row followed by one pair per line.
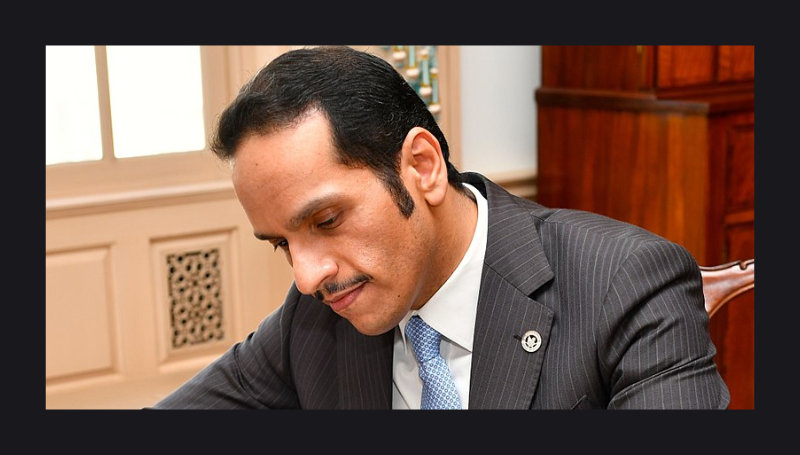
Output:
x,y
656,70
662,137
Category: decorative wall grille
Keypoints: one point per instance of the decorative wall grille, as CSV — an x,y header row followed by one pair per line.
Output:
x,y
195,299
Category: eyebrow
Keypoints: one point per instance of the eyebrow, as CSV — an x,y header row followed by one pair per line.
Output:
x,y
303,214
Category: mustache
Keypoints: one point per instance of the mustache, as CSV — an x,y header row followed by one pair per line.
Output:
x,y
334,287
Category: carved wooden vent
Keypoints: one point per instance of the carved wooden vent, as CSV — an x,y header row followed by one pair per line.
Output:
x,y
195,303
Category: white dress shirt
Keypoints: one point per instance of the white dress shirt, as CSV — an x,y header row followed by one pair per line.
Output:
x,y
451,311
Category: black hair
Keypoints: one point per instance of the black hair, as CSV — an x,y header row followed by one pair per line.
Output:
x,y
370,107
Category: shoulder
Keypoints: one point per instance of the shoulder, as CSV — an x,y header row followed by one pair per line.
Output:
x,y
567,227
592,245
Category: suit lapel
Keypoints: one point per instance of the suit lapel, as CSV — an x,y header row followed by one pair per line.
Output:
x,y
365,368
504,375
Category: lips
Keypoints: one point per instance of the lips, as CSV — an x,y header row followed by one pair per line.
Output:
x,y
343,301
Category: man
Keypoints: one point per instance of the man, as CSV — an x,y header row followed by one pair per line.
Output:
x,y
338,163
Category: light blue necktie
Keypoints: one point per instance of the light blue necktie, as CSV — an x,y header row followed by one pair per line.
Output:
x,y
438,389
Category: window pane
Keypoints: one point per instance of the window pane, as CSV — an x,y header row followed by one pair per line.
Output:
x,y
72,119
156,99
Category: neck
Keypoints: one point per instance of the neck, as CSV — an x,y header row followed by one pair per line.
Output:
x,y
456,220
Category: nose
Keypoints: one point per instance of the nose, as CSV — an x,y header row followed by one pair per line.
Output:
x,y
311,268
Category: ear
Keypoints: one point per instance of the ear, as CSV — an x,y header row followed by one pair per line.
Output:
x,y
424,162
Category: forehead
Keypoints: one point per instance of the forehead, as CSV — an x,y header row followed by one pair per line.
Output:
x,y
310,139
270,162
278,174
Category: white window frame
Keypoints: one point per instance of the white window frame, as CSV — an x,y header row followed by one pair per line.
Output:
x,y
111,175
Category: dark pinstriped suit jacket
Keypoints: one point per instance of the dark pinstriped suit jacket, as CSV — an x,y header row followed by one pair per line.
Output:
x,y
620,312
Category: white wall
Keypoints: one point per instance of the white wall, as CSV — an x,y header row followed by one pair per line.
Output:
x,y
498,110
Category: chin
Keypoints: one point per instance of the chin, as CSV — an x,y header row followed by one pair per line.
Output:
x,y
371,329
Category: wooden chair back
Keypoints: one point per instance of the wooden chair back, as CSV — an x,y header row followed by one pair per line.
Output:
x,y
722,283
731,326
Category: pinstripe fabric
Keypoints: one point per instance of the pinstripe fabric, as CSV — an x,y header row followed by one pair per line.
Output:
x,y
620,312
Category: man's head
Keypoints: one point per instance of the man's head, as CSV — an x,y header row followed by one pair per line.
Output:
x,y
369,105
338,163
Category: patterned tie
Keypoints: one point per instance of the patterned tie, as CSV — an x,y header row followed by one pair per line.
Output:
x,y
438,389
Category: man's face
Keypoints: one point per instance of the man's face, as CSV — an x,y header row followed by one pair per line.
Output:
x,y
340,229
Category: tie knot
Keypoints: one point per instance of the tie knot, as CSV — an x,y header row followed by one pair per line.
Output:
x,y
424,338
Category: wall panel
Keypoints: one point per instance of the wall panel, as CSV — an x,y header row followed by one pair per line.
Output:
x,y
80,324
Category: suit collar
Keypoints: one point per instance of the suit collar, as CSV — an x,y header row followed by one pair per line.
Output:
x,y
504,375
514,248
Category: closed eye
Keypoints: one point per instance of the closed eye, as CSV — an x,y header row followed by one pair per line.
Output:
x,y
327,223
330,223
282,243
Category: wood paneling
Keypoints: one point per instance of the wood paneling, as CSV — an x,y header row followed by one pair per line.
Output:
x,y
680,66
736,63
740,172
80,335
109,327
572,67
615,162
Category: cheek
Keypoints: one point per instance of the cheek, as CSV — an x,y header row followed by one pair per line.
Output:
x,y
406,247
383,244
386,243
